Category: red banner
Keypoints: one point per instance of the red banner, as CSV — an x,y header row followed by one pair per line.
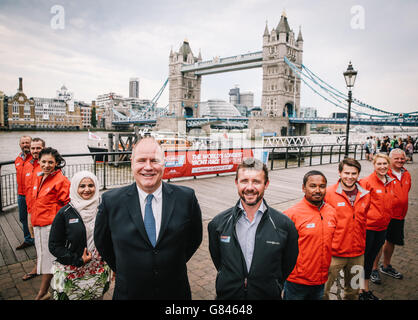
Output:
x,y
199,162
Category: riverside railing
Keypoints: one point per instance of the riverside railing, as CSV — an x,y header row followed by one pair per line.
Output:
x,y
113,173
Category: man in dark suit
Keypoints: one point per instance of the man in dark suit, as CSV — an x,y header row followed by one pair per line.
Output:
x,y
148,231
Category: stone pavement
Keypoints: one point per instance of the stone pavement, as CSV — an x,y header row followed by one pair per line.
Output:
x,y
202,272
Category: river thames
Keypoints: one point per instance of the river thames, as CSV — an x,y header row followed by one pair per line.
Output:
x,y
67,142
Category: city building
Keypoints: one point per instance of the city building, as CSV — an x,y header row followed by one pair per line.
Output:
x,y
243,101
107,99
21,110
3,102
134,88
39,112
85,113
281,88
218,108
55,113
308,112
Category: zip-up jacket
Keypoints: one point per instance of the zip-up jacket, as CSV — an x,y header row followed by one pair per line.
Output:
x,y
381,200
68,237
30,171
350,233
49,197
275,254
315,227
401,191
19,163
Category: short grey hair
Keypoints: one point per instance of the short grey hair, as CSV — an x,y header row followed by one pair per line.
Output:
x,y
395,151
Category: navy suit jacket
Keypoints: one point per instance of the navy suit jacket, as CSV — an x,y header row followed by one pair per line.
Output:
x,y
144,271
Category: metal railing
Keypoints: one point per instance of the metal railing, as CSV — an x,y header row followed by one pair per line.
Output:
x,y
113,173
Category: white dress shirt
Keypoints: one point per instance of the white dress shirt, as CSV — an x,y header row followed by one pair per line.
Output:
x,y
246,231
157,206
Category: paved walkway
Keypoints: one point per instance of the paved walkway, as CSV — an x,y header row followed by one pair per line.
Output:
x,y
284,191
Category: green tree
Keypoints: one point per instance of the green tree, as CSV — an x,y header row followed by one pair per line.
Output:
x,y
93,117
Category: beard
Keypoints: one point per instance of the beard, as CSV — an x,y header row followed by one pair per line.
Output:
x,y
348,186
252,203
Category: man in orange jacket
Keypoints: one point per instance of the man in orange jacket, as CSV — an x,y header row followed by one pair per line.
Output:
x,y
315,222
22,158
351,203
30,169
395,230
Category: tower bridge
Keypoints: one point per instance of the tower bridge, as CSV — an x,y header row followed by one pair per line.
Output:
x,y
283,73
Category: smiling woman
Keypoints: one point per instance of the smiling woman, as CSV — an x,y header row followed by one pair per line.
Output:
x,y
50,193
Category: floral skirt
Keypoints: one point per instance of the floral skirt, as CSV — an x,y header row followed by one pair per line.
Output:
x,y
88,282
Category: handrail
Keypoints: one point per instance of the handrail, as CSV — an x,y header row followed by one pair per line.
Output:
x,y
112,173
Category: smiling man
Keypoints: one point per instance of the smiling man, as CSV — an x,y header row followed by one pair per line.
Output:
x,y
22,158
253,247
147,231
395,230
315,222
351,203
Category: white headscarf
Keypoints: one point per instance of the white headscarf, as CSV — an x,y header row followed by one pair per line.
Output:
x,y
86,208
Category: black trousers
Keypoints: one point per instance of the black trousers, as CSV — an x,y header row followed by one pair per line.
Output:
x,y
374,241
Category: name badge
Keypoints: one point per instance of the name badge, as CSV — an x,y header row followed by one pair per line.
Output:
x,y
341,204
310,225
75,220
378,191
225,239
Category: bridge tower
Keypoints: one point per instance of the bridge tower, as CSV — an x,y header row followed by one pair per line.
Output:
x,y
184,88
281,88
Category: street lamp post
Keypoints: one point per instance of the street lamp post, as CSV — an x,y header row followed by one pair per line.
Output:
x,y
350,77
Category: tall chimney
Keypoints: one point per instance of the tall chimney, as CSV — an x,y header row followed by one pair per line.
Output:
x,y
20,85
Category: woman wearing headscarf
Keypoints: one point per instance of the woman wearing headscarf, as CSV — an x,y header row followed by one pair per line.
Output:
x,y
79,272
50,193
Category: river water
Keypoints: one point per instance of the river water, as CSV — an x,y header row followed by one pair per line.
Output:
x,y
64,142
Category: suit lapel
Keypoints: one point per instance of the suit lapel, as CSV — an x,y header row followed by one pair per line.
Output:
x,y
167,209
134,210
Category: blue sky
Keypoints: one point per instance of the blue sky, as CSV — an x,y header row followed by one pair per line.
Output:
x,y
104,43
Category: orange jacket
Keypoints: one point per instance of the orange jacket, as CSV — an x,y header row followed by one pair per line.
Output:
x,y
30,170
381,199
315,228
19,163
401,190
49,197
350,233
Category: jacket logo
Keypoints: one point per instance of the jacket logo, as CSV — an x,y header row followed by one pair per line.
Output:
x,y
272,242
341,204
310,225
75,220
225,239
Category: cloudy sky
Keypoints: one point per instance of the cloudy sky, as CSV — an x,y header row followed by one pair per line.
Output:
x,y
94,47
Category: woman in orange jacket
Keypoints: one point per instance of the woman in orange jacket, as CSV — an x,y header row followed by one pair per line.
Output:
x,y
315,222
380,185
50,193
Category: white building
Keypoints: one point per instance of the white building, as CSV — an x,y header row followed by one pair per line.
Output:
x,y
218,108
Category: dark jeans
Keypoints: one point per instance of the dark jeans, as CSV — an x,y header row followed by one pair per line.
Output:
x,y
23,218
374,241
296,291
